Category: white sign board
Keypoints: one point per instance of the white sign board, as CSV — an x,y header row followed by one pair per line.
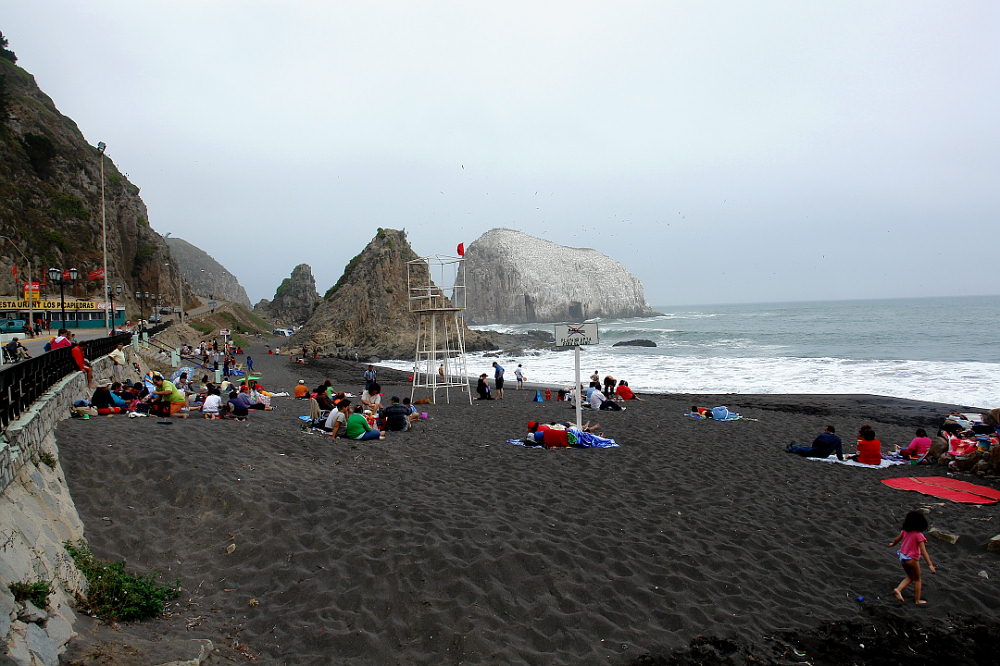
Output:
x,y
573,335
224,332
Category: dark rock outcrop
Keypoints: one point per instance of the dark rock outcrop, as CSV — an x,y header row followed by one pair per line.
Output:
x,y
514,278
635,343
50,203
206,276
367,312
294,300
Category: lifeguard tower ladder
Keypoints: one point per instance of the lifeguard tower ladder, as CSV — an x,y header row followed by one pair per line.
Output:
x,y
436,287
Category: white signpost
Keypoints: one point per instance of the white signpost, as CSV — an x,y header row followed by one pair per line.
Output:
x,y
575,335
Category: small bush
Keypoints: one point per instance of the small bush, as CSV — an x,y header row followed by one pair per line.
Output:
x,y
37,592
200,327
144,253
56,239
114,594
68,207
114,180
47,458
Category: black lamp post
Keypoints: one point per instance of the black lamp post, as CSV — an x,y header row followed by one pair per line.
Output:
x,y
118,289
62,278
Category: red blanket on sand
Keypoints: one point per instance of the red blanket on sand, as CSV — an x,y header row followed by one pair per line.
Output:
x,y
946,488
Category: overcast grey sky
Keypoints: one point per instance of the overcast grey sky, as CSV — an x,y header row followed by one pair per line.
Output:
x,y
722,151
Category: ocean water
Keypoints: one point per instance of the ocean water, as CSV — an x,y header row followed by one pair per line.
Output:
x,y
936,349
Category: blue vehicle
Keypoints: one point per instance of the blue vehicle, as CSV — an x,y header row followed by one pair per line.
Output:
x,y
12,325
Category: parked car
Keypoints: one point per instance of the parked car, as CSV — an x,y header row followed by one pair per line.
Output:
x,y
12,325
155,319
165,310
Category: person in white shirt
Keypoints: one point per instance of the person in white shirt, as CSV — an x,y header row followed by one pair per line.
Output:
x,y
213,401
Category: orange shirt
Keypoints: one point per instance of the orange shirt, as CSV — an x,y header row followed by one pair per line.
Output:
x,y
301,390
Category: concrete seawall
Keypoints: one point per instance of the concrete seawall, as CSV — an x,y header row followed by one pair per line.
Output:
x,y
37,516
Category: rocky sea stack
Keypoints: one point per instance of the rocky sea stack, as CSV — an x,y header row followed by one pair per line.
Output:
x,y
294,300
367,312
514,278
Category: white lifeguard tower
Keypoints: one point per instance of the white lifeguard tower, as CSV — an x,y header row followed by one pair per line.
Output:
x,y
436,287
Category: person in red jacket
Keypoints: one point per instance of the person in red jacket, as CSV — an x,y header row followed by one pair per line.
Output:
x,y
869,448
76,351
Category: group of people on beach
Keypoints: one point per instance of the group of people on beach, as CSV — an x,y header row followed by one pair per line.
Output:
x,y
158,396
337,414
869,450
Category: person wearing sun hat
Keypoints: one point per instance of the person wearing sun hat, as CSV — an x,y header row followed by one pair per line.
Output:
x,y
301,390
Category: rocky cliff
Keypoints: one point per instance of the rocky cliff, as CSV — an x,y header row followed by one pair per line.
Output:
x,y
367,312
206,276
294,300
50,202
514,278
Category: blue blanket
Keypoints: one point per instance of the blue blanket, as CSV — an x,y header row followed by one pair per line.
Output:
x,y
583,439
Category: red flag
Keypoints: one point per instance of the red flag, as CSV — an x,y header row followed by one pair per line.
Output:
x,y
13,271
461,249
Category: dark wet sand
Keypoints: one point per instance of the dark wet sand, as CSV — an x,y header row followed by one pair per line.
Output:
x,y
448,545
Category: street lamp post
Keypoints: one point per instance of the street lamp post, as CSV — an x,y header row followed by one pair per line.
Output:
x,y
58,276
117,289
31,309
101,146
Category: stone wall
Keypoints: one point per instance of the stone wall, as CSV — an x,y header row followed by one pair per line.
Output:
x,y
37,515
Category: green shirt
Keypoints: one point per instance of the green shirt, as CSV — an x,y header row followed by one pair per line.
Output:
x,y
357,425
175,395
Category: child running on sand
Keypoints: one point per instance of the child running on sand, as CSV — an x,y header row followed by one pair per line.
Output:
x,y
911,548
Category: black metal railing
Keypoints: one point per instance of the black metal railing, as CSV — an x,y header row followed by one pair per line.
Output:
x,y
22,383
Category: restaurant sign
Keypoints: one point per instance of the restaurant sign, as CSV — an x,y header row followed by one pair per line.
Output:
x,y
47,305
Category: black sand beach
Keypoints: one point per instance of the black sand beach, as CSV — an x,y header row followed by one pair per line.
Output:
x,y
448,545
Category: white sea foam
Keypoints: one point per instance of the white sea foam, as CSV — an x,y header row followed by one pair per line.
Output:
x,y
957,383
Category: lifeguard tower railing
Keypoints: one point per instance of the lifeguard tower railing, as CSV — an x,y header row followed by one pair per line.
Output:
x,y
436,294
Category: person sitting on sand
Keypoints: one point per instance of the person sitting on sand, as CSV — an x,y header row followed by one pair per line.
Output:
x,y
324,401
212,405
336,422
169,401
624,392
104,401
599,401
371,398
869,448
358,427
918,448
397,416
825,443
483,388
301,390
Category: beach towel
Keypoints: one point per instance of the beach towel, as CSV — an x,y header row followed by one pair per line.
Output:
x,y
583,440
730,416
946,488
886,462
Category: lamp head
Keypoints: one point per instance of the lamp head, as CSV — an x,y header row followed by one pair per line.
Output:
x,y
54,274
101,146
73,274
